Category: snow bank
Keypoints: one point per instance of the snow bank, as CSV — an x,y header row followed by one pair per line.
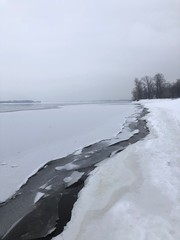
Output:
x,y
136,194
29,139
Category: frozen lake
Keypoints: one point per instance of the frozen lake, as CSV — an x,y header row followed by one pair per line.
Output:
x,y
29,139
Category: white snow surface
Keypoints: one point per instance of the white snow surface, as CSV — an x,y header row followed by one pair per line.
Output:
x,y
135,194
29,139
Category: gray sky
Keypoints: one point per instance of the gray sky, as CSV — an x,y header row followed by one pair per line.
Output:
x,y
55,50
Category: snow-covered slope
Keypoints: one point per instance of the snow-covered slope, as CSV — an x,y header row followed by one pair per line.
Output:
x,y
29,139
136,194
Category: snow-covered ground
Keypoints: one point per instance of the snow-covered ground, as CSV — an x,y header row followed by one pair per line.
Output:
x,y
29,139
136,194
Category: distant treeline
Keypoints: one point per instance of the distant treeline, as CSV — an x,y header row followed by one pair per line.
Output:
x,y
155,87
20,101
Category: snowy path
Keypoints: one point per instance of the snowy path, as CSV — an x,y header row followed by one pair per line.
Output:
x,y
136,195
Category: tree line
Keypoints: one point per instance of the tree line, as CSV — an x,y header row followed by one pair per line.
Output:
x,y
155,87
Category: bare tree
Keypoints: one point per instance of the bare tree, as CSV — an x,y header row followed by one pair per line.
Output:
x,y
138,90
156,87
148,87
177,86
159,84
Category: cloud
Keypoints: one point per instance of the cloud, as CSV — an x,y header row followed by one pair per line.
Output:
x,y
69,50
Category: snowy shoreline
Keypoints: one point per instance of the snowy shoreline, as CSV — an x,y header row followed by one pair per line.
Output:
x,y
132,194
113,144
145,203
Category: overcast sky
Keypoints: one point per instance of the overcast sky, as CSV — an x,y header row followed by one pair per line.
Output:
x,y
54,50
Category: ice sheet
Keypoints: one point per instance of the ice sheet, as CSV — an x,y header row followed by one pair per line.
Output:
x,y
29,139
69,166
38,196
74,177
